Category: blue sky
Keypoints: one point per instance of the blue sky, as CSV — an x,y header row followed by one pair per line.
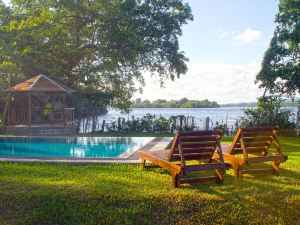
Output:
x,y
225,44
202,39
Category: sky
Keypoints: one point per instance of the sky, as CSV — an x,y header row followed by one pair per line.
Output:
x,y
225,45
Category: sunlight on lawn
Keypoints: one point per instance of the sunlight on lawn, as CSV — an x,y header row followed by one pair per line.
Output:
x,y
123,194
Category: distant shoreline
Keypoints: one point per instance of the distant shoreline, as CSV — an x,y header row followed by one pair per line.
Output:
x,y
233,106
216,107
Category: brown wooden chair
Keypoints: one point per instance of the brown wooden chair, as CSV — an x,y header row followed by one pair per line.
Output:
x,y
201,147
252,145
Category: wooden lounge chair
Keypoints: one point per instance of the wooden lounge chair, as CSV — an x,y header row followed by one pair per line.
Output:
x,y
185,147
252,145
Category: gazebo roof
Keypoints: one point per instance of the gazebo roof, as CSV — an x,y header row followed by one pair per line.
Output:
x,y
41,83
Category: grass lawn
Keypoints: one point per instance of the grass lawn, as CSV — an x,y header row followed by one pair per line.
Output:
x,y
123,194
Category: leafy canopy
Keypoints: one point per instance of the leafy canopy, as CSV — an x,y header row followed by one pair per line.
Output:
x,y
281,64
94,46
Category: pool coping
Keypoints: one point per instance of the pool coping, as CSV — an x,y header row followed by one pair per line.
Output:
x,y
132,158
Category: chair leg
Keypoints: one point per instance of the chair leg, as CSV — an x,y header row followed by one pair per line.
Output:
x,y
237,170
175,180
143,164
275,167
219,177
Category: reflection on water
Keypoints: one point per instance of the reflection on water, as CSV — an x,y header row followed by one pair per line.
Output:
x,y
82,147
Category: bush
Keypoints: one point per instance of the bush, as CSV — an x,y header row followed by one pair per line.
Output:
x,y
221,127
150,123
2,125
269,112
1,121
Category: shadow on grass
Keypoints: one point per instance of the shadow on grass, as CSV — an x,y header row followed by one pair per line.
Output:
x,y
123,194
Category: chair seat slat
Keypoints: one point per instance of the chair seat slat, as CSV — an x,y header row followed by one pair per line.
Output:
x,y
257,144
210,166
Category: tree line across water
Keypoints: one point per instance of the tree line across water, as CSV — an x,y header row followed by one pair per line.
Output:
x,y
268,112
181,103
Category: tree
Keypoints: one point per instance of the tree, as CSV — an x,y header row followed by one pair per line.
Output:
x,y
96,46
138,101
269,112
8,69
280,70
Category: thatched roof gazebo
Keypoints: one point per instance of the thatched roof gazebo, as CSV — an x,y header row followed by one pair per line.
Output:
x,y
39,101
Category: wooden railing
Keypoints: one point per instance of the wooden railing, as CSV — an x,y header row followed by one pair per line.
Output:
x,y
69,115
18,116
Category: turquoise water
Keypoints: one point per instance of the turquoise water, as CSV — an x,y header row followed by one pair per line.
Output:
x,y
74,147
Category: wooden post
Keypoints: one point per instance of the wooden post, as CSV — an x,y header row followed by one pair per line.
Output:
x,y
297,122
73,101
207,123
64,113
8,108
52,108
29,110
9,101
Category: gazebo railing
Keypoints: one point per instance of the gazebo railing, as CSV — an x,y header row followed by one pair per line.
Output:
x,y
69,115
18,116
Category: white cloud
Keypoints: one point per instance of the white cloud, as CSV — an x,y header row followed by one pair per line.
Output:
x,y
248,35
221,82
222,33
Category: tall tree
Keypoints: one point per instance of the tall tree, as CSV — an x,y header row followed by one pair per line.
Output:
x,y
8,68
100,46
281,64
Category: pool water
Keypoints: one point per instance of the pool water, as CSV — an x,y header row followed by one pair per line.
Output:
x,y
71,147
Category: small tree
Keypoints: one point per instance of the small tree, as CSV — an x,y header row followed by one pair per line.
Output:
x,y
221,127
269,112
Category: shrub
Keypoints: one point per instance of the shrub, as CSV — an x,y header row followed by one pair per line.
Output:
x,y
150,123
161,124
221,127
269,112
1,121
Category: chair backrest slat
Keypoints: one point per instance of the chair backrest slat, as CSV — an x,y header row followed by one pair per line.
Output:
x,y
195,145
194,150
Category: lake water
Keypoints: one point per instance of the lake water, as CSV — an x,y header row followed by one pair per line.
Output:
x,y
221,115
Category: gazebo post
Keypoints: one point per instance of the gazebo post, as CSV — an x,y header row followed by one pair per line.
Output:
x,y
9,100
29,110
8,108
52,108
64,114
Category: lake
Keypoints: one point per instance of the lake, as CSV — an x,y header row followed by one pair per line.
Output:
x,y
222,115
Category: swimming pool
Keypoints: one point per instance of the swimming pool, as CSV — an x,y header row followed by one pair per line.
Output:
x,y
71,147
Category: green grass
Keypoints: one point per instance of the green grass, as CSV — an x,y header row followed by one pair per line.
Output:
x,y
123,194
